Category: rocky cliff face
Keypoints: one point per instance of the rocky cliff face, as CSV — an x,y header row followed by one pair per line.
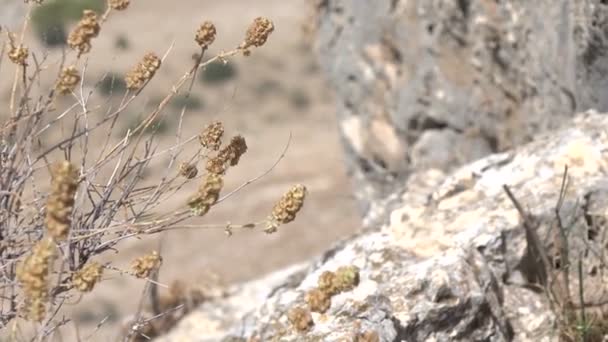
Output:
x,y
454,263
438,83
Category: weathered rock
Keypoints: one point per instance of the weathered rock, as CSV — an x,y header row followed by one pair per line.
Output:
x,y
454,262
440,83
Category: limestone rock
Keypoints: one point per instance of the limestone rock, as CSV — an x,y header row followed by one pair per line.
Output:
x,y
454,263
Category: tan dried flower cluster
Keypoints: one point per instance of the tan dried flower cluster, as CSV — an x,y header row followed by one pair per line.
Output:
x,y
18,54
330,284
85,279
207,194
187,170
228,156
211,136
287,208
119,5
64,182
87,29
68,80
300,319
367,336
257,33
143,71
143,266
205,35
33,274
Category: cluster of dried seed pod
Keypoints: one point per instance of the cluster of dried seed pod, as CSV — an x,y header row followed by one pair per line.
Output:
x,y
187,170
211,136
68,80
60,203
18,54
143,266
257,34
207,195
227,156
143,71
87,28
119,5
205,35
330,284
84,280
318,299
287,208
33,274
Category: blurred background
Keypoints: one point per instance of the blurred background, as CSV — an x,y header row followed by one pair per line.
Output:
x,y
277,91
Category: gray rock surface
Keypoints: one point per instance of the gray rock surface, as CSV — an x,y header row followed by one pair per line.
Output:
x,y
454,262
440,83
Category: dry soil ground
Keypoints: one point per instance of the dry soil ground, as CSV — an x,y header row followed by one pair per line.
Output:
x,y
277,90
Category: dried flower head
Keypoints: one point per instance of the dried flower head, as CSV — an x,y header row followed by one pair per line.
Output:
x,y
18,54
143,266
211,136
205,35
207,194
87,29
33,273
347,278
143,71
119,5
318,300
367,336
258,33
228,156
300,319
286,209
327,283
59,205
187,170
85,279
68,80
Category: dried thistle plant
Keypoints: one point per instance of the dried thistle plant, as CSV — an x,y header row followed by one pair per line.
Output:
x,y
300,319
143,71
59,206
87,28
68,80
33,274
102,196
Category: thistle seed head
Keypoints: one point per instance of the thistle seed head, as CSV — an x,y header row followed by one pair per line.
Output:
x,y
64,182
119,5
286,209
143,266
257,33
33,274
187,170
211,136
143,71
68,80
207,195
205,34
85,279
87,28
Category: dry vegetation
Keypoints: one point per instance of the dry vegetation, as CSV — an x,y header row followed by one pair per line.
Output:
x,y
52,237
